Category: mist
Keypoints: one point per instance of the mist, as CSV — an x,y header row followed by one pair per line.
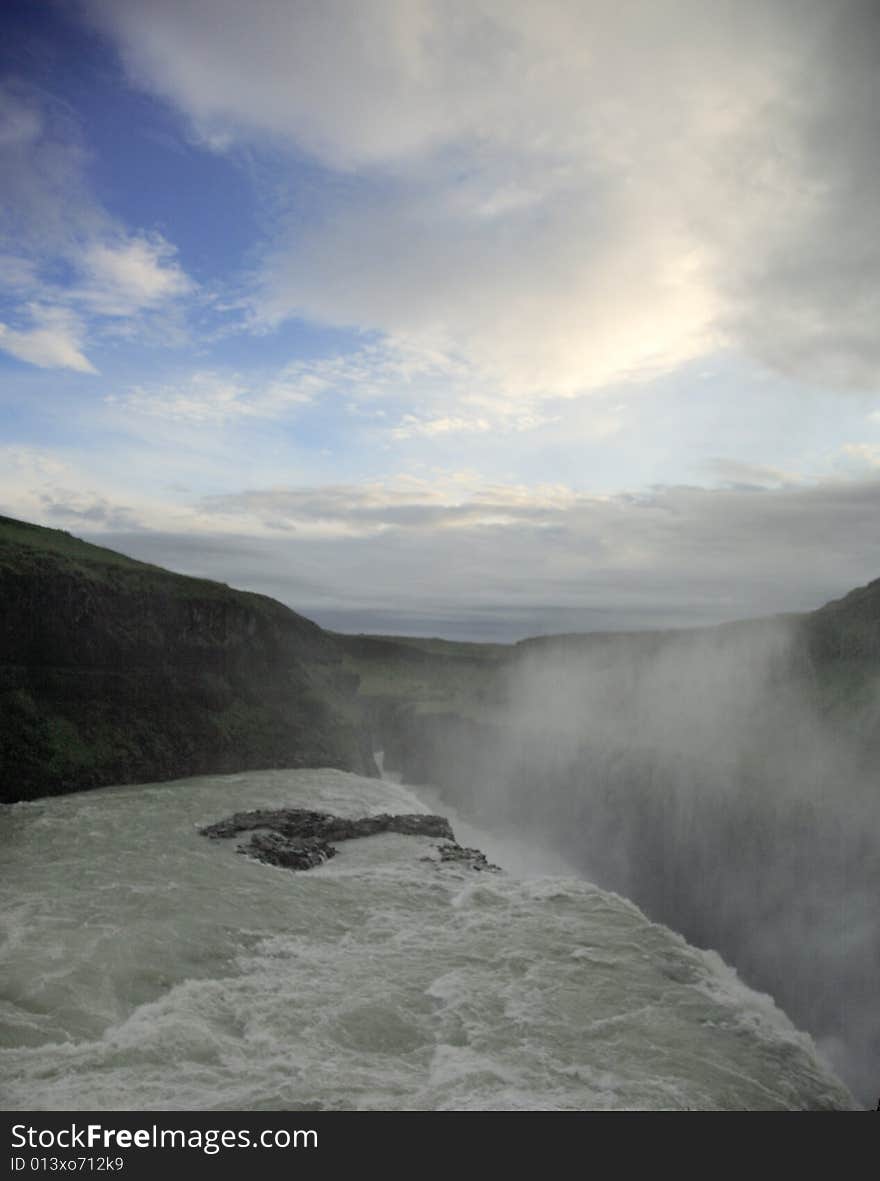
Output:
x,y
704,775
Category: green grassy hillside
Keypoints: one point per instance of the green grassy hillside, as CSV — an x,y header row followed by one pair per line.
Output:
x,y
113,671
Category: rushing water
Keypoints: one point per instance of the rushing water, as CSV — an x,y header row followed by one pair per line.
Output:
x,y
144,967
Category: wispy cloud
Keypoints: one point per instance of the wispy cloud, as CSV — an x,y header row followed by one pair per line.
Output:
x,y
45,205
733,473
867,454
501,418
71,273
513,560
125,276
217,398
53,338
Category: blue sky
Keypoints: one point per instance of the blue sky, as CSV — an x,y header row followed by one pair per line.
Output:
x,y
478,319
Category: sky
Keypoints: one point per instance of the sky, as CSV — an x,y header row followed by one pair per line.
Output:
x,y
473,318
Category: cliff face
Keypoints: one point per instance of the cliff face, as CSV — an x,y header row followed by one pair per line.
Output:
x,y
113,671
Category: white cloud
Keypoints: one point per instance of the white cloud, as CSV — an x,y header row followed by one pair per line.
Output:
x,y
20,463
735,473
453,553
368,384
561,195
411,425
497,418
449,550
125,276
17,273
45,205
217,398
549,309
54,341
83,488
867,454
403,78
119,282
32,478
20,124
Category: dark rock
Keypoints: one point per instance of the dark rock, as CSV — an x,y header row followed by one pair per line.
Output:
x,y
470,858
290,822
275,849
302,823
298,838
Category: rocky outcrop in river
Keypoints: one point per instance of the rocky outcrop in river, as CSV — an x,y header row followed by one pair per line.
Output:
x,y
296,838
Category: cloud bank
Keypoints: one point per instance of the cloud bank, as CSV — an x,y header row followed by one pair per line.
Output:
x,y
504,562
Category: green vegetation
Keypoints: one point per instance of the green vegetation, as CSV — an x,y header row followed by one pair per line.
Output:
x,y
115,671
17,537
26,548
428,675
456,649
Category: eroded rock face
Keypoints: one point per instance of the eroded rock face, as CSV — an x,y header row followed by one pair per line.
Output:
x,y
287,853
300,822
471,858
297,838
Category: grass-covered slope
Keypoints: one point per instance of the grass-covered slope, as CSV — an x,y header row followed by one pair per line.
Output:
x,y
427,675
115,671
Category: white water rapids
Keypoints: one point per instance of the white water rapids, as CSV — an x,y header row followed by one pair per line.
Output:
x,y
145,967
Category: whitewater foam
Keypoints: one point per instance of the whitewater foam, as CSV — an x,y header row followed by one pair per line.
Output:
x,y
145,967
